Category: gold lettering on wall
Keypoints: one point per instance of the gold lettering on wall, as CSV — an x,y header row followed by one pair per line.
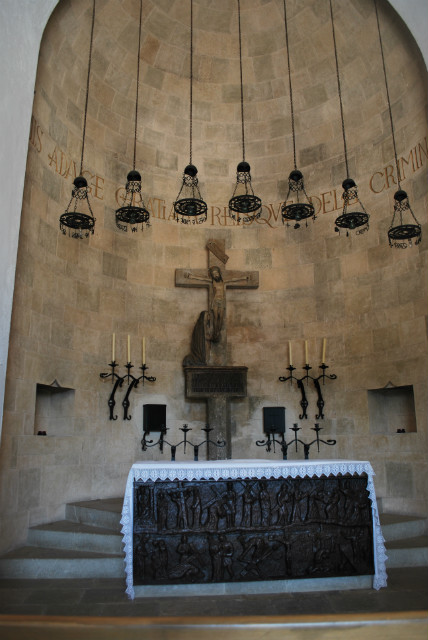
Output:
x,y
386,178
218,215
36,133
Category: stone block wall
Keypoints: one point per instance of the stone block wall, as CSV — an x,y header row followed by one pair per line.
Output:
x,y
366,299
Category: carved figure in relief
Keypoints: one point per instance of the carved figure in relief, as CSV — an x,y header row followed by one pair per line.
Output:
x,y
142,558
143,497
248,501
301,503
227,556
162,510
255,550
332,504
179,500
230,505
196,507
284,498
216,558
188,565
216,512
264,501
160,560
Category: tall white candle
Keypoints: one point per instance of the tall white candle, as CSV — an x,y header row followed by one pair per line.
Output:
x,y
113,347
306,352
129,348
324,343
290,357
144,351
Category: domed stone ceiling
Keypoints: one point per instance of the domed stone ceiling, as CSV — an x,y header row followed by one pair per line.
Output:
x,y
163,118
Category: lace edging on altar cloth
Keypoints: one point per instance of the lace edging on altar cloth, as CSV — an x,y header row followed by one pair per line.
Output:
x,y
235,469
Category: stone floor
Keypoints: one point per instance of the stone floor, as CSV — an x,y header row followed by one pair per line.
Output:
x,y
407,590
72,609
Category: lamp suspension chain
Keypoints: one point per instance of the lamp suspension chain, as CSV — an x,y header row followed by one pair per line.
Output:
x,y
191,81
241,81
138,84
387,97
290,87
87,86
339,90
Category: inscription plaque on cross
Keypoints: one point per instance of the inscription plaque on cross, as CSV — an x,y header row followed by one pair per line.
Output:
x,y
207,373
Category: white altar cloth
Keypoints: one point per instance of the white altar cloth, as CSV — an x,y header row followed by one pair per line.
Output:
x,y
234,469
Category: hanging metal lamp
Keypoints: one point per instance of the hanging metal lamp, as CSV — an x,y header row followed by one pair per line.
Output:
x,y
354,217
244,206
133,213
78,219
296,211
189,207
404,230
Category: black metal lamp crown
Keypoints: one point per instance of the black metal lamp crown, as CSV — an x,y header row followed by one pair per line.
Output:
x,y
133,212
296,211
357,221
401,235
349,221
189,207
78,223
244,206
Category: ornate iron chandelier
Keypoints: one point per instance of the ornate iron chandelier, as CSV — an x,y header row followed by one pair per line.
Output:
x,y
189,206
296,211
400,234
357,221
133,211
80,223
244,206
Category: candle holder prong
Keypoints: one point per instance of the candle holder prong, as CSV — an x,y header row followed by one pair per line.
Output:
x,y
300,383
290,368
118,380
267,443
145,443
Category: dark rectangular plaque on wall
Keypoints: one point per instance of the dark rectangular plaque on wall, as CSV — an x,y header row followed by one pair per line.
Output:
x,y
202,531
203,382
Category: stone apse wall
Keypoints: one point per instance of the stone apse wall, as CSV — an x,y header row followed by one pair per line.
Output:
x,y
367,299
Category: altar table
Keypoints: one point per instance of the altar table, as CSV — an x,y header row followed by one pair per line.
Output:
x,y
240,521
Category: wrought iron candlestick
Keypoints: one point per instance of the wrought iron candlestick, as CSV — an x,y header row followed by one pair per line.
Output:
x,y
145,444
300,383
118,381
271,441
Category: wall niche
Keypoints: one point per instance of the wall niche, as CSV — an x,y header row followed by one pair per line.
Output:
x,y
54,413
392,409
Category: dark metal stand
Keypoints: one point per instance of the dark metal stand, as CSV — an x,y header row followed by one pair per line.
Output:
x,y
145,444
271,441
118,381
300,383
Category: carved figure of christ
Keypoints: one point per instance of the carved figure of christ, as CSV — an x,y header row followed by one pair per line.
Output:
x,y
216,279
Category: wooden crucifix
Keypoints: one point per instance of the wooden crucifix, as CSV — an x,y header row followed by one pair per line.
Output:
x,y
207,374
209,338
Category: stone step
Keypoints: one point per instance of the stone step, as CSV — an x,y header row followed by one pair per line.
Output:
x,y
75,536
39,562
98,513
407,552
88,544
397,527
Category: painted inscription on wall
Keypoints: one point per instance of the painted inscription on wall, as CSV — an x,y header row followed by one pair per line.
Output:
x,y
218,215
